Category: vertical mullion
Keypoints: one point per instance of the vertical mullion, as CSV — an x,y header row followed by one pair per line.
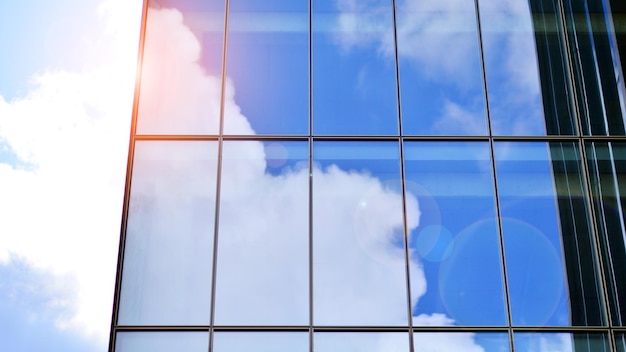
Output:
x,y
505,276
218,182
310,165
402,179
128,179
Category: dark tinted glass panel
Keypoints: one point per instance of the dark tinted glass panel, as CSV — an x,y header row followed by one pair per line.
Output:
x,y
268,66
262,262
525,65
607,169
361,342
261,342
456,240
596,67
440,69
461,341
169,239
359,264
620,342
181,68
162,341
562,342
354,77
550,255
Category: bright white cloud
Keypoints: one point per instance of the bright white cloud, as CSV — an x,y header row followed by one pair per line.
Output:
x,y
61,213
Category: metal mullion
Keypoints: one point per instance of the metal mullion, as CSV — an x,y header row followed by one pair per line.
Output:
x,y
176,137
545,138
127,182
407,264
354,138
160,328
269,328
505,276
256,137
310,146
444,138
218,181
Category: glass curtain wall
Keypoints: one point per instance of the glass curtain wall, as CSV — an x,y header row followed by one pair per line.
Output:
x,y
375,175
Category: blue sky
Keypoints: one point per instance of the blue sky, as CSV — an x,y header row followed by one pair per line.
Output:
x,y
65,103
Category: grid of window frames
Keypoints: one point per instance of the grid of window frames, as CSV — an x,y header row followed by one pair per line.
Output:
x,y
375,175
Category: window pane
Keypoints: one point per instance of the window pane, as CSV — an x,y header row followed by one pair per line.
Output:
x,y
526,74
354,78
607,169
358,244
550,255
169,237
181,68
261,342
361,342
596,67
562,342
620,342
162,341
268,62
456,243
263,255
441,75
461,341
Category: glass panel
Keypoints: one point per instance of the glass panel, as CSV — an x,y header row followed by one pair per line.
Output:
x,y
620,342
181,68
550,255
169,237
268,63
607,169
562,342
460,342
596,66
456,243
262,270
361,342
526,74
261,342
441,75
140,341
358,243
354,77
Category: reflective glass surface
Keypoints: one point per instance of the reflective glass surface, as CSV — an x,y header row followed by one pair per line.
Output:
x,y
140,341
354,76
460,341
181,68
169,238
359,262
360,342
456,241
262,267
562,342
607,170
620,342
440,69
268,65
550,255
261,342
522,43
596,66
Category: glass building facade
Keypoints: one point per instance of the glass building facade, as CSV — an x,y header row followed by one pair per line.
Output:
x,y
376,176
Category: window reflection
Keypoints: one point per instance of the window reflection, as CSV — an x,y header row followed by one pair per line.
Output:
x,y
620,342
261,342
162,341
262,268
456,241
607,169
169,238
460,341
550,255
359,273
181,68
361,342
562,342
268,62
440,68
354,78
525,66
